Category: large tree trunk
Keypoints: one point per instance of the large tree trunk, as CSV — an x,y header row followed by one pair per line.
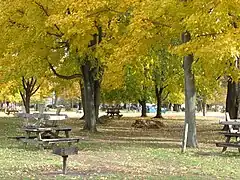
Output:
x,y
159,92
231,101
190,96
89,100
144,107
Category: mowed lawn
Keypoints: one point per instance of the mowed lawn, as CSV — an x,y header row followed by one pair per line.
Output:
x,y
119,151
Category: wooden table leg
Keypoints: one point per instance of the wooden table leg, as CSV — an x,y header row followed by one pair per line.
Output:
x,y
67,134
227,141
57,133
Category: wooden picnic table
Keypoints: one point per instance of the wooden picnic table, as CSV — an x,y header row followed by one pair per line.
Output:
x,y
50,120
233,132
111,112
45,136
8,111
47,131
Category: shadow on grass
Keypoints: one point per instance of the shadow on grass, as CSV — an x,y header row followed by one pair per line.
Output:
x,y
123,145
74,174
215,154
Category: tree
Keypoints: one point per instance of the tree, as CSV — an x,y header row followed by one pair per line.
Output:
x,y
138,82
166,75
67,33
30,89
190,95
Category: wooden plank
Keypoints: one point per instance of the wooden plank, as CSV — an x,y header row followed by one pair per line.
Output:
x,y
21,137
62,129
61,140
63,151
56,118
237,134
236,123
224,144
37,129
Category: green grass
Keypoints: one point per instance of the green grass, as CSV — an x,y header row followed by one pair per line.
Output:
x,y
120,152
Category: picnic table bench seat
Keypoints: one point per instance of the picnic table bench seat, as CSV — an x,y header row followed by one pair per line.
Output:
x,y
225,144
228,134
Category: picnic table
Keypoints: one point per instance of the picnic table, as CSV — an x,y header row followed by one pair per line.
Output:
x,y
9,111
111,112
47,131
232,132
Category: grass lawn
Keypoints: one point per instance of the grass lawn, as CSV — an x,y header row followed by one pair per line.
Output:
x,y
118,151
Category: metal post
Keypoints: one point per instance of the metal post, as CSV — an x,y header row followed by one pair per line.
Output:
x,y
65,164
184,144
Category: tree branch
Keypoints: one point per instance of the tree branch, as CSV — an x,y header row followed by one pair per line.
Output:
x,y
33,83
23,98
165,86
166,96
47,14
64,76
24,83
32,93
55,34
42,8
17,24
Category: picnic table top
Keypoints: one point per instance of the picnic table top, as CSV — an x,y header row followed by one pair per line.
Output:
x,y
44,116
38,129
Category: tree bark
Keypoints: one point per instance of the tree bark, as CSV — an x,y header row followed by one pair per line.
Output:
x,y
26,101
97,94
231,103
55,100
89,100
231,99
204,106
190,96
82,97
159,92
144,107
